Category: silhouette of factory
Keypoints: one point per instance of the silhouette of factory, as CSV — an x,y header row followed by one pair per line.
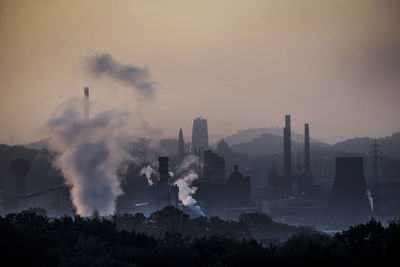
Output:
x,y
222,188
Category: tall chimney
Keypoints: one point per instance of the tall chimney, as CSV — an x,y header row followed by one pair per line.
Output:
x,y
287,150
86,94
181,145
307,164
163,169
163,192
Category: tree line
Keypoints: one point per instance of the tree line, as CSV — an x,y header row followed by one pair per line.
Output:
x,y
170,237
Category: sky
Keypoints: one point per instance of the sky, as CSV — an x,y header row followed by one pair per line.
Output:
x,y
240,64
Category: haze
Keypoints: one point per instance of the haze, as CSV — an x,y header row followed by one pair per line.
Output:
x,y
240,64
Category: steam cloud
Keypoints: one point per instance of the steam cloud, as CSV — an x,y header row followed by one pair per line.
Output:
x,y
136,77
370,199
90,156
186,189
148,171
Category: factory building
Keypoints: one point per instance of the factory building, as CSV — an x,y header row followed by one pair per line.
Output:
x,y
199,136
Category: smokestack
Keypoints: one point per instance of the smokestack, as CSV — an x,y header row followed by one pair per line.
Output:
x,y
287,149
181,145
307,164
163,169
86,94
163,190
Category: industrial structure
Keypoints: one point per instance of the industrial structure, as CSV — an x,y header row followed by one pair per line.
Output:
x,y
349,194
199,136
86,100
181,145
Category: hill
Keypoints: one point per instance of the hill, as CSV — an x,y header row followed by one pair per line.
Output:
x,y
248,135
389,146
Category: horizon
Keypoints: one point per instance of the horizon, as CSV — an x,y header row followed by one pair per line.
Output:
x,y
333,65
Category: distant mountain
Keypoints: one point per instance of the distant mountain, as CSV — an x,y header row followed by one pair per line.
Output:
x,y
389,146
271,144
246,136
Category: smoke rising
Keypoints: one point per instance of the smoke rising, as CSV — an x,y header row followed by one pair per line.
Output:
x,y
136,77
90,155
148,171
186,189
370,199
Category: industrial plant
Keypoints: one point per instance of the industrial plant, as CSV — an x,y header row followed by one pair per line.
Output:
x,y
214,180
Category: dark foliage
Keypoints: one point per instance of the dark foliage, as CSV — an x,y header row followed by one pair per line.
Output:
x,y
170,238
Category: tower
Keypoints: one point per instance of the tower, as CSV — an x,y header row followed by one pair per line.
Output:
x,y
349,194
86,95
375,153
181,145
377,198
287,148
199,135
307,162
163,192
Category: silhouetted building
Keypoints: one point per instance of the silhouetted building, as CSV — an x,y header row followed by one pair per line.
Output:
x,y
214,167
199,135
181,145
86,106
287,150
307,160
238,188
305,180
223,148
166,194
349,194
20,168
163,196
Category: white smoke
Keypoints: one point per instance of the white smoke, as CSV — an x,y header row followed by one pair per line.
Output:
x,y
370,199
186,178
148,171
90,155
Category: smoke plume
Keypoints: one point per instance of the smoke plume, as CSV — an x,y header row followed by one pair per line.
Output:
x,y
370,199
186,178
148,171
90,155
136,77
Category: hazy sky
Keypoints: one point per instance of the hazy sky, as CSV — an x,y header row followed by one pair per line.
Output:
x,y
240,64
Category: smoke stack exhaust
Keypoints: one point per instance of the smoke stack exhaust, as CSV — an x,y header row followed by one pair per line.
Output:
x,y
86,94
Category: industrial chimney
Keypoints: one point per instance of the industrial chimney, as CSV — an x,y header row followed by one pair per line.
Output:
x,y
181,145
287,150
307,163
163,192
86,107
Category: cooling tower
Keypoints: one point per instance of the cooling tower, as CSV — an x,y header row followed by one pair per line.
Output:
x,y
349,191
199,135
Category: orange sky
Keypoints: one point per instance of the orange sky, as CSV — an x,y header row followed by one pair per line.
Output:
x,y
240,64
